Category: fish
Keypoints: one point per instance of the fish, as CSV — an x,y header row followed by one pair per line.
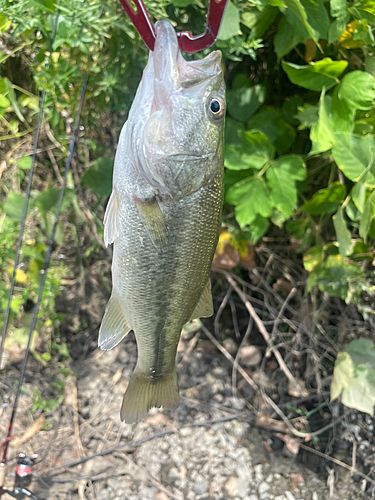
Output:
x,y
163,216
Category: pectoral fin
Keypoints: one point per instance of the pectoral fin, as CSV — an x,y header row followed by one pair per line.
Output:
x,y
114,326
112,220
153,218
204,308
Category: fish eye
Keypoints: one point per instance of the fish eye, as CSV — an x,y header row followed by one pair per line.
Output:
x,y
216,107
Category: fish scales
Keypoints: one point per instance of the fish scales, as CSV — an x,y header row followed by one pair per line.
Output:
x,y
164,216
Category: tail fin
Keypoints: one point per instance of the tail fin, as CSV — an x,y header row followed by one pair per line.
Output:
x,y
144,393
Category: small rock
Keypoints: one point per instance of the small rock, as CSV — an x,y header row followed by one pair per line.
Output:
x,y
289,496
231,486
201,485
263,487
253,497
230,345
280,497
173,474
315,496
250,356
104,495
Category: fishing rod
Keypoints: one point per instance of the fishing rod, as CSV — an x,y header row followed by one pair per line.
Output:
x,y
28,189
42,282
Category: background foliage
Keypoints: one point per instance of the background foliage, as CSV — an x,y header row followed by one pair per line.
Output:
x,y
300,130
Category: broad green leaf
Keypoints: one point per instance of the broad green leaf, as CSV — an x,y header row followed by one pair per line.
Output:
x,y
281,176
233,176
25,162
13,206
355,157
370,64
4,23
4,102
317,75
297,227
358,195
344,237
358,89
307,116
230,25
259,18
244,102
313,257
258,227
98,177
252,152
342,113
326,200
47,200
362,352
298,9
321,133
354,376
250,198
367,216
339,10
272,124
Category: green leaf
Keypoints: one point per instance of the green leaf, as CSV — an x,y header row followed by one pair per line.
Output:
x,y
13,100
354,376
230,25
259,18
321,134
355,157
344,236
313,258
358,195
367,216
358,89
98,177
4,102
253,151
250,198
182,3
272,124
244,102
281,176
339,10
24,163
258,227
307,116
13,206
47,200
299,11
317,75
297,227
326,200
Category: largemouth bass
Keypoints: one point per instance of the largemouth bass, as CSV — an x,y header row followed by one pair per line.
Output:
x,y
163,216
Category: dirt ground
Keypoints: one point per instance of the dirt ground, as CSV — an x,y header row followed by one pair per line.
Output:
x,y
242,431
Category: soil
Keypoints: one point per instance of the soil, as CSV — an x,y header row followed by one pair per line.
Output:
x,y
224,441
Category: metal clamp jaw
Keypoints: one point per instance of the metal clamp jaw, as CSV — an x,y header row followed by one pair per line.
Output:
x,y
188,42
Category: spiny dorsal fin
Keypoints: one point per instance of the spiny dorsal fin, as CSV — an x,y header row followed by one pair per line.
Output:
x,y
153,218
204,308
114,326
112,220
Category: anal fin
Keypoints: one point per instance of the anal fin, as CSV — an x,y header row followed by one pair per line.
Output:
x,y
204,308
112,220
154,220
114,326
